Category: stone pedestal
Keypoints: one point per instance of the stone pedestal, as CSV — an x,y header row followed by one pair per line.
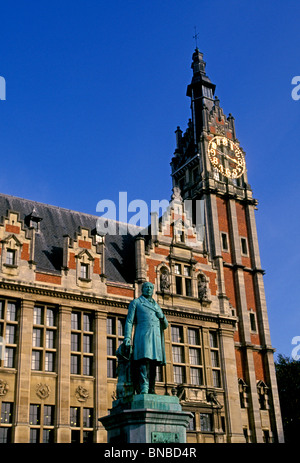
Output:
x,y
146,418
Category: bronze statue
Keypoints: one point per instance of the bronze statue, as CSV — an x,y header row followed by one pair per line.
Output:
x,y
148,349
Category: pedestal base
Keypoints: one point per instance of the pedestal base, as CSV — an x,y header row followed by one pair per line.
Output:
x,y
146,418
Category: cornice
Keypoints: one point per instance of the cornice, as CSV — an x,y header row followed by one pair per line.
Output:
x,y
21,288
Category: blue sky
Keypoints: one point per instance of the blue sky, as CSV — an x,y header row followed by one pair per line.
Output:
x,y
95,91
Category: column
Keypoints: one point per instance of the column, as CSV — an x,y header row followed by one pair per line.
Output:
x,y
234,427
63,430
22,430
100,375
244,324
263,324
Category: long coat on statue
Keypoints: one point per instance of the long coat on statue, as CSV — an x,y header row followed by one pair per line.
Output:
x,y
148,337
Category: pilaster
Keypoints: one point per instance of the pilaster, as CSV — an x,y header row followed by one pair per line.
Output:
x,y
22,431
234,426
100,375
63,430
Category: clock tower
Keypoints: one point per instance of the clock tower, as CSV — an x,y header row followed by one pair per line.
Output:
x,y
209,167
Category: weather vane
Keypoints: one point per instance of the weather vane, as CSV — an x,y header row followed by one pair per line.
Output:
x,y
196,36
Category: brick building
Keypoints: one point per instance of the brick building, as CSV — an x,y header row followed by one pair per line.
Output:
x,y
65,290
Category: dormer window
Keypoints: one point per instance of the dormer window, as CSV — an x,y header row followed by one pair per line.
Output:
x,y
84,271
10,257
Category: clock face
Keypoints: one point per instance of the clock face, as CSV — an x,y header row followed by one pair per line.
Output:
x,y
227,157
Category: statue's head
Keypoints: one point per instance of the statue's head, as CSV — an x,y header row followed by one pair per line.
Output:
x,y
147,289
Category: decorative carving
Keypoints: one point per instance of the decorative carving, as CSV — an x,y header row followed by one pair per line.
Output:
x,y
164,280
42,391
3,387
202,288
82,394
220,130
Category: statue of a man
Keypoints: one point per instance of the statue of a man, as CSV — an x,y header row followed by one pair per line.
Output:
x,y
148,342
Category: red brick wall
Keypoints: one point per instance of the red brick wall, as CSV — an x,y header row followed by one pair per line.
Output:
x,y
84,244
55,279
97,268
212,282
239,364
25,252
120,291
12,228
224,225
259,366
72,261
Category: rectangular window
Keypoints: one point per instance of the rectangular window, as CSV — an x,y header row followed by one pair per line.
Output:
x,y
9,356
178,356
115,337
75,342
75,321
87,366
84,271
177,335
37,337
5,435
111,349
74,417
43,338
206,422
244,246
82,342
111,368
50,339
179,374
75,364
10,334
214,356
196,376
10,257
36,360
37,315
87,417
188,287
252,321
193,336
48,415
49,361
11,312
48,436
87,343
192,424
177,269
178,281
195,356
87,322
224,240
50,317
34,436
6,412
34,415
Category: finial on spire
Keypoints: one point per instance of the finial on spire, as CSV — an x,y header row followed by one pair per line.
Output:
x,y
196,37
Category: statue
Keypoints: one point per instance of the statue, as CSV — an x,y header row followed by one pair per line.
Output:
x,y
148,348
164,280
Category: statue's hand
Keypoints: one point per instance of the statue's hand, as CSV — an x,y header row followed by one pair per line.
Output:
x,y
159,314
127,342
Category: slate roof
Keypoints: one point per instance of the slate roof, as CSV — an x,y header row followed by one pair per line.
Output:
x,y
57,222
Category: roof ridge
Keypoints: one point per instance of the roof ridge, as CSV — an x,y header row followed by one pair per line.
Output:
x,y
70,210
